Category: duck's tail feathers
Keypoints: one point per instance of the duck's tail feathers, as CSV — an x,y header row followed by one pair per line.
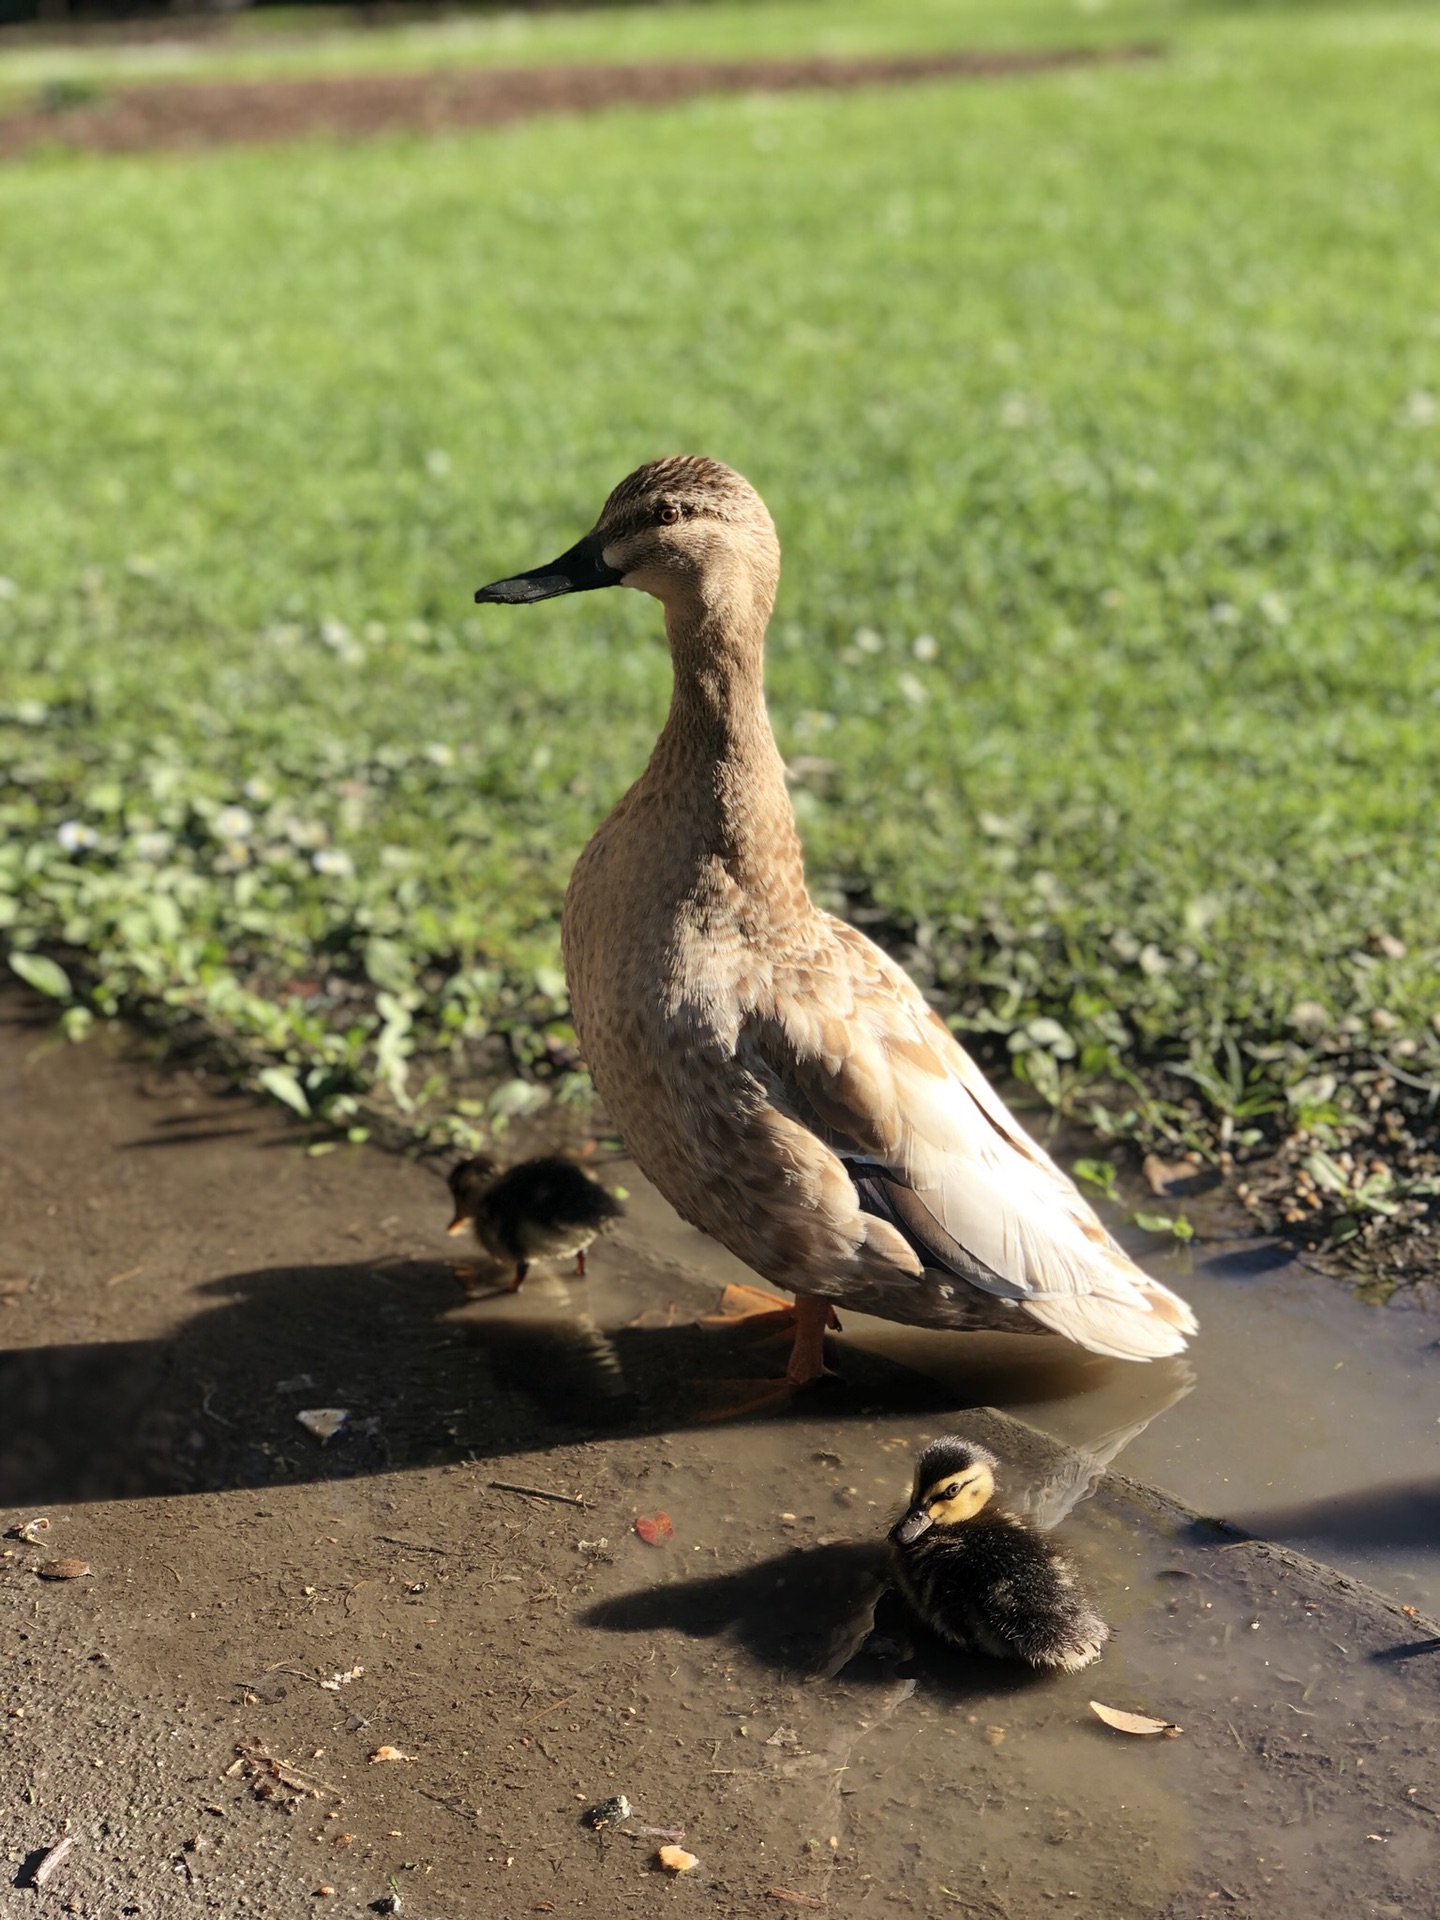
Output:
x,y
1139,1320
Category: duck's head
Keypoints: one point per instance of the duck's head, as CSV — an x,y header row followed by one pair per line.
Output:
x,y
468,1179
685,529
953,1481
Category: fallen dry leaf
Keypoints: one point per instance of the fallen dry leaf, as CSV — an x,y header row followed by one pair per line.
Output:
x,y
655,1529
1134,1722
323,1422
63,1569
12,1285
390,1753
677,1860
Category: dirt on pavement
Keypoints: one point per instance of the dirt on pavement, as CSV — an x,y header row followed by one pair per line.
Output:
x,y
265,1611
171,114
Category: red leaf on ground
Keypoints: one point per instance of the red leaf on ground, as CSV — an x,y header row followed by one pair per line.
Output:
x,y
654,1529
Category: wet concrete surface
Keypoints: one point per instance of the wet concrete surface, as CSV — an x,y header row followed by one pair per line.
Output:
x,y
181,1280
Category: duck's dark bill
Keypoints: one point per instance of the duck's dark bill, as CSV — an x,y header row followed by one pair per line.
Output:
x,y
580,570
911,1527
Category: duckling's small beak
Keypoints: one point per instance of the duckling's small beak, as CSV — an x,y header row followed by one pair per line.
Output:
x,y
916,1522
580,570
458,1224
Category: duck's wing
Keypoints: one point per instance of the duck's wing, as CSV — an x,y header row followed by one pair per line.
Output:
x,y
858,1054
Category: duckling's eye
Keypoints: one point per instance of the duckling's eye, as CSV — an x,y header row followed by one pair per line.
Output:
x,y
950,1493
668,515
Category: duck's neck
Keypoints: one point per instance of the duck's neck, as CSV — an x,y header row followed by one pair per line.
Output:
x,y
716,760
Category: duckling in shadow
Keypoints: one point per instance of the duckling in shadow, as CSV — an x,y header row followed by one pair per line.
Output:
x,y
981,1578
543,1209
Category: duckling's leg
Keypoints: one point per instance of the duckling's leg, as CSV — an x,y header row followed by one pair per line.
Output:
x,y
522,1267
579,1263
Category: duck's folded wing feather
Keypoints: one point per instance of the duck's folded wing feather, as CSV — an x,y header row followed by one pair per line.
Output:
x,y
855,1046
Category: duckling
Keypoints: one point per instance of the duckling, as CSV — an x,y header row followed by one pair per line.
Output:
x,y
983,1580
545,1209
779,1078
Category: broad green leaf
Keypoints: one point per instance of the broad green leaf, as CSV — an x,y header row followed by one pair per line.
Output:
x,y
282,1084
44,974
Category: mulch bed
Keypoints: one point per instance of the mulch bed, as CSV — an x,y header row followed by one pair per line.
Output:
x,y
241,112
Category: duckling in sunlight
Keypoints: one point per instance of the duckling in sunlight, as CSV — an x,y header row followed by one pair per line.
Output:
x,y
545,1209
980,1577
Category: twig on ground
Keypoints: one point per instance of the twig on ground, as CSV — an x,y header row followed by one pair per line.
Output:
x,y
539,1493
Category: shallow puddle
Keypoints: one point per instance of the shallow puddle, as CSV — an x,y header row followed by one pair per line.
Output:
x,y
186,1281
1299,1414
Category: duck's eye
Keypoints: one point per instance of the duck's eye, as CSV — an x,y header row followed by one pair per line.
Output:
x,y
668,515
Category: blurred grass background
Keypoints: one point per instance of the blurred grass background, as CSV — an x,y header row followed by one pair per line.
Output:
x,y
1099,412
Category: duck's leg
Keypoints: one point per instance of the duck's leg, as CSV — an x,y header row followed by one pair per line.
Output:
x,y
579,1263
733,1399
739,1303
522,1267
807,1357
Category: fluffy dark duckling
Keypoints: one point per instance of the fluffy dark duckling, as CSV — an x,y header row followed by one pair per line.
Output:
x,y
982,1579
545,1209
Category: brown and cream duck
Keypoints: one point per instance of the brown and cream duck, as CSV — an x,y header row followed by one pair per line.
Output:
x,y
779,1078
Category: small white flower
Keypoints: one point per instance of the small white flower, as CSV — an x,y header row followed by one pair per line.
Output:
x,y
912,689
74,836
232,823
437,463
925,646
258,789
439,754
153,845
342,643
333,861
8,588
1421,409
868,641
1275,610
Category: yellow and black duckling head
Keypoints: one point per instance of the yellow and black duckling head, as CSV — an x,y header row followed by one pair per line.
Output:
x,y
954,1479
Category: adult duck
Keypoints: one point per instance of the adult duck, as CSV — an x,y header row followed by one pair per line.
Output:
x,y
779,1078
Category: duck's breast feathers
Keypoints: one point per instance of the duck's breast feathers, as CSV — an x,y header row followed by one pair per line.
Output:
x,y
857,1052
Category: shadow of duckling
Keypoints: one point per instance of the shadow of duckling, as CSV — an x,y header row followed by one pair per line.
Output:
x,y
815,1613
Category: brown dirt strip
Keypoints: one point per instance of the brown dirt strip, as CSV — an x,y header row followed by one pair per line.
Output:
x,y
245,112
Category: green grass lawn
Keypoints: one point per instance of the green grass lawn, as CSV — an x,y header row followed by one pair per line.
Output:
x,y
1100,417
